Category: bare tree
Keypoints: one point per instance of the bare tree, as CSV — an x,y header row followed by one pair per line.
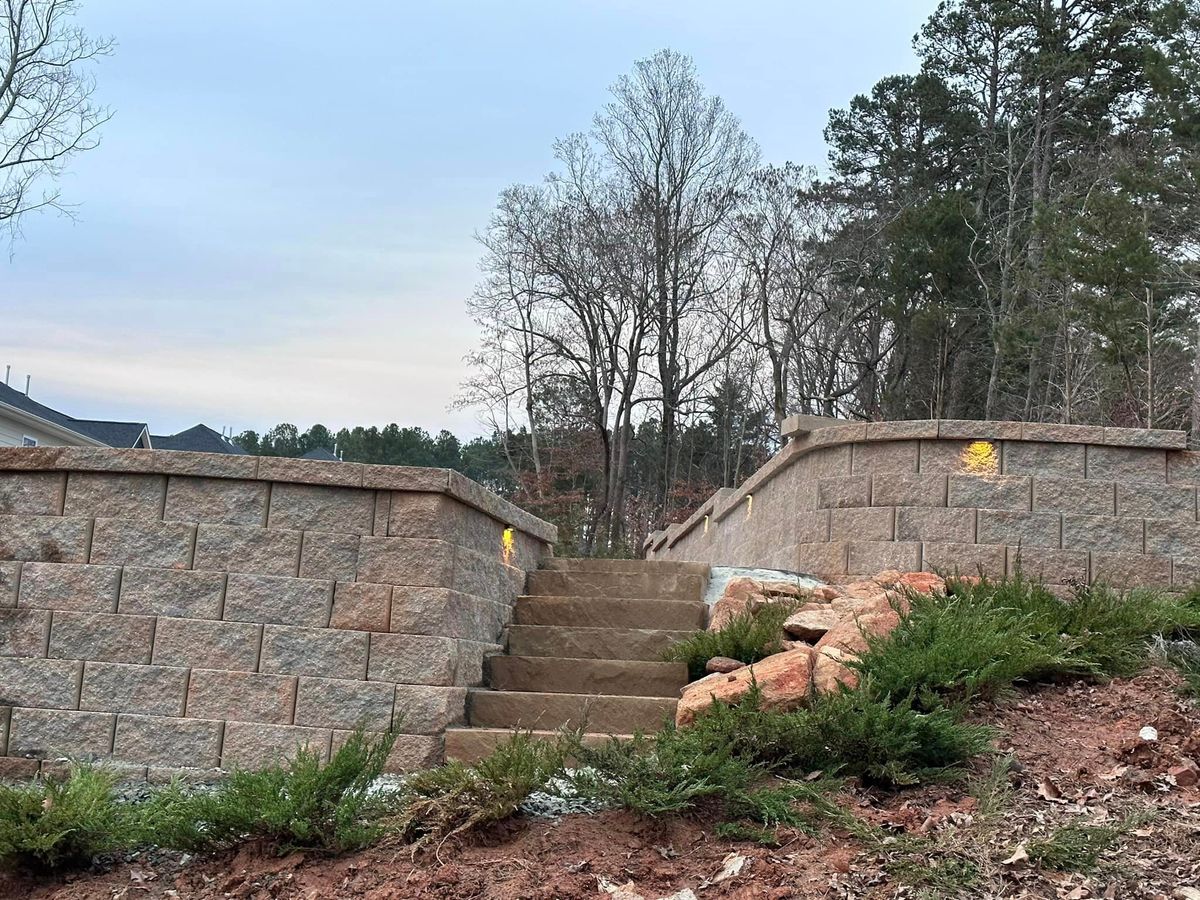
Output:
x,y
46,109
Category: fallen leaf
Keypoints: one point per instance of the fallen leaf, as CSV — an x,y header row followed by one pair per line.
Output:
x,y
1020,857
1049,791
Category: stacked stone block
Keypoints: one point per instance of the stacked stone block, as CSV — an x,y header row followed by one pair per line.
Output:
x,y
1064,503
167,610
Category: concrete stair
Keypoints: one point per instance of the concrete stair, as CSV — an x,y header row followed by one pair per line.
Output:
x,y
585,649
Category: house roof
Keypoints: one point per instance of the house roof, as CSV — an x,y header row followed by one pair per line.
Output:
x,y
321,453
102,431
199,438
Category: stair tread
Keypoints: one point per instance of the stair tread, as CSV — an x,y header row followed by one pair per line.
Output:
x,y
468,744
615,712
609,612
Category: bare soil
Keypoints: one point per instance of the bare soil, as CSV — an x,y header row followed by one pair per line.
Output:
x,y
1079,760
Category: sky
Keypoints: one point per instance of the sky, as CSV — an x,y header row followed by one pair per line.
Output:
x,y
279,223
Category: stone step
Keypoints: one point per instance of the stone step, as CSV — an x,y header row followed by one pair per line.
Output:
x,y
668,586
591,643
610,612
548,674
603,713
624,566
470,745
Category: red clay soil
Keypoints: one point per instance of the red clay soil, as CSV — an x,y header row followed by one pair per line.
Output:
x,y
1079,760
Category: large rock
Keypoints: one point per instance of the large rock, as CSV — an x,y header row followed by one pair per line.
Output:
x,y
921,582
750,594
850,635
783,678
723,665
831,671
811,622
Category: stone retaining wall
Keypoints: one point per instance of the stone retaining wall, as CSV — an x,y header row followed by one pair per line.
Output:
x,y
168,609
1065,503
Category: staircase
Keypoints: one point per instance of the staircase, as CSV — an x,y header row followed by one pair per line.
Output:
x,y
585,649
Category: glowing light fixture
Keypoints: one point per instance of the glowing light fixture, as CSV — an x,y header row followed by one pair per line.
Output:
x,y
508,544
749,505
706,524
980,458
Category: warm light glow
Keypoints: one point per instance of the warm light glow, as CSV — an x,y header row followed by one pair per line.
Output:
x,y
508,544
749,505
980,458
706,524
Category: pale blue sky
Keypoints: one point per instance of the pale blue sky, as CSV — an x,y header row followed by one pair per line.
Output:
x,y
278,225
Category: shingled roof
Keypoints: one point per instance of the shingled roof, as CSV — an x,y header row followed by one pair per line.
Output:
x,y
102,431
198,438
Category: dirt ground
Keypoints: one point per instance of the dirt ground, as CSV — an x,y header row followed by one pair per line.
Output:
x,y
1079,759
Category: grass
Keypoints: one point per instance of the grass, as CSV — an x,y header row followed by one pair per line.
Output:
x,y
749,636
1077,847
1184,658
64,821
301,804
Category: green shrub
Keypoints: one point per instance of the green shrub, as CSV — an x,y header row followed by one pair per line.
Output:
x,y
1076,847
304,803
62,822
747,637
441,803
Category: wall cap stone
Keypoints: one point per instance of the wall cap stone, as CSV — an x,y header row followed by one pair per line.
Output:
x,y
278,469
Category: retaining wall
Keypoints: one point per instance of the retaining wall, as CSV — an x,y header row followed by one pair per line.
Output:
x,y
167,609
1066,503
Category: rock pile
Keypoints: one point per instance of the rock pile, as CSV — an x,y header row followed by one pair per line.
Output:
x,y
828,631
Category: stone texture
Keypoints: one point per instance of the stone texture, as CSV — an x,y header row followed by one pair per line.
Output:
x,y
844,491
248,550
425,516
411,561
810,623
850,636
1019,528
32,493
145,690
421,709
1183,467
911,428
1157,501
24,632
964,559
243,696
722,665
122,542
784,680
1065,434
875,556
329,555
44,539
935,524
50,733
1145,437
979,429
412,659
1046,564
170,592
896,489
825,559
437,611
210,645
326,652
472,659
1102,533
337,703
866,524
361,606
1039,458
1126,570
106,637
10,577
52,683
942,456
69,587
252,745
992,492
279,601
216,501
1185,573
1166,537
885,456
337,509
115,495
831,671
1073,495
157,741
1125,464
746,594
410,752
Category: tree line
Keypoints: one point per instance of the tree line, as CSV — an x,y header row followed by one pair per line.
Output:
x,y
1010,232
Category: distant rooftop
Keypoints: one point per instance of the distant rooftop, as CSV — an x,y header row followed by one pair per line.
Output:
x,y
199,438
321,453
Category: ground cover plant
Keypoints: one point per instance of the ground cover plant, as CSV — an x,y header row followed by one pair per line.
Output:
x,y
748,636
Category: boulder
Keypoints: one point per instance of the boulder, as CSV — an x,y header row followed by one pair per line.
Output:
x,y
784,679
830,670
723,664
743,594
921,582
811,621
850,635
